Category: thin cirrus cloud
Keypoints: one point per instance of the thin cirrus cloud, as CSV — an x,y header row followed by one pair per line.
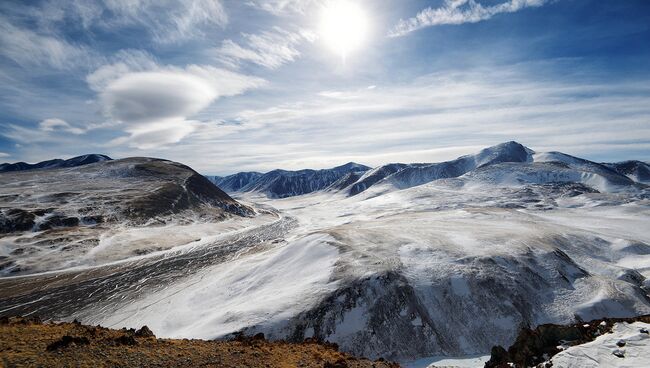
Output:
x,y
283,7
270,49
459,12
164,21
29,48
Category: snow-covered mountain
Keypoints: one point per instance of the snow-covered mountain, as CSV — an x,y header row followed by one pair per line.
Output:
x,y
235,182
403,261
284,183
55,163
72,209
508,163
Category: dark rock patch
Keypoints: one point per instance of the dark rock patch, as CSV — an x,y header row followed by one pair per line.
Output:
x,y
67,341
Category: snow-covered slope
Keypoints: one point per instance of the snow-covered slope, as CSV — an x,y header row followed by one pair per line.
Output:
x,y
55,163
638,171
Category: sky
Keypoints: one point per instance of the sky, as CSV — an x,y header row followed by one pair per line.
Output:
x,y
239,85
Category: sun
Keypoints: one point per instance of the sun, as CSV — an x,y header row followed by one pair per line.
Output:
x,y
343,26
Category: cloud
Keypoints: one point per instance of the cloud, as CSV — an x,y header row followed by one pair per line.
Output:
x,y
51,125
4,154
27,48
459,12
165,21
123,62
270,49
283,7
155,106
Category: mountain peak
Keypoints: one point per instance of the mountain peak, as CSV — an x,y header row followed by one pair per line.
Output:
x,y
352,166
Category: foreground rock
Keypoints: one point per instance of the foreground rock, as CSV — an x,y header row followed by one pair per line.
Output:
x,y
28,343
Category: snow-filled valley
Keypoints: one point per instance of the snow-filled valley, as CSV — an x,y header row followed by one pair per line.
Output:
x,y
403,262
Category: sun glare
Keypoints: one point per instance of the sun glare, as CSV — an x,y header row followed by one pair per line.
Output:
x,y
343,27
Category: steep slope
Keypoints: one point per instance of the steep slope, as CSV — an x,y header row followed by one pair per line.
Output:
x,y
55,163
283,183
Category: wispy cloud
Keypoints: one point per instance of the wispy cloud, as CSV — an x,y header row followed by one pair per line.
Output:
x,y
29,48
270,49
283,7
165,21
4,154
459,12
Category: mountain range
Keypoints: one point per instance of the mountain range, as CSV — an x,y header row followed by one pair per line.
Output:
x,y
506,161
55,163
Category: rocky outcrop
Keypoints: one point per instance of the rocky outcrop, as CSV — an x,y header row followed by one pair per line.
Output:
x,y
536,346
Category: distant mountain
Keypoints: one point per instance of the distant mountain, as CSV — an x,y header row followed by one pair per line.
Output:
x,y
284,183
235,182
55,163
135,189
409,175
502,164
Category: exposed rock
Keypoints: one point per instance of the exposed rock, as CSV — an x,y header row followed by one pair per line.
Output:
x,y
144,331
67,341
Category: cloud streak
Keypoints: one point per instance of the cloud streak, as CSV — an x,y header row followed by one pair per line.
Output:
x,y
459,12
270,49
28,48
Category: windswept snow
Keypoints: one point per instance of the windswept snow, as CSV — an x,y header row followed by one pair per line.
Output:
x,y
262,288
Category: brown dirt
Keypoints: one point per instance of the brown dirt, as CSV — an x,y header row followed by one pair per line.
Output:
x,y
30,343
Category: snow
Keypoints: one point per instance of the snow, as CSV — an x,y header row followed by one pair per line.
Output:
x,y
263,288
599,353
475,361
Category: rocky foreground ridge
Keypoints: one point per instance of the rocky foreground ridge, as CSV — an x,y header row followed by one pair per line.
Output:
x,y
30,343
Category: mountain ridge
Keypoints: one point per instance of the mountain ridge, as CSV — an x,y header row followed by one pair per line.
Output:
x,y
55,163
358,178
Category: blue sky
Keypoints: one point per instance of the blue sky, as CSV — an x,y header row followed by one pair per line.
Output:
x,y
229,85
